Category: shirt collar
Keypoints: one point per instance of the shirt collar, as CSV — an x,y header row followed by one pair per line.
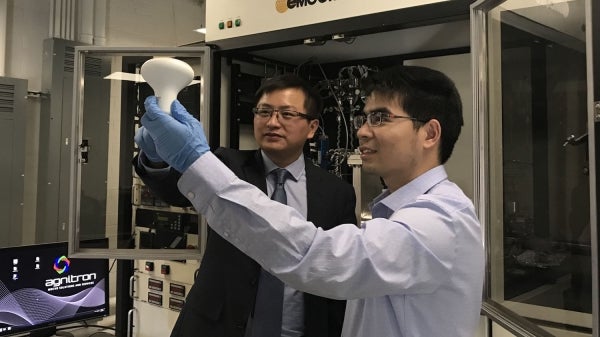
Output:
x,y
296,168
386,201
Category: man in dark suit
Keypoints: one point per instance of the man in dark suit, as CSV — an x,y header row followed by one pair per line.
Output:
x,y
221,303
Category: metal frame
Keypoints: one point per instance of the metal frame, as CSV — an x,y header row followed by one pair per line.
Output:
x,y
593,45
500,315
76,137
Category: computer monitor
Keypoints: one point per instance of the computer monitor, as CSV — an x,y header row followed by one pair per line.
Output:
x,y
42,288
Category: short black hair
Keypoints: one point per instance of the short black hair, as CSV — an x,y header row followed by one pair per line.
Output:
x,y
313,103
424,94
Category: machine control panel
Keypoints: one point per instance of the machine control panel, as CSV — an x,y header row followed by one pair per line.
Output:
x,y
166,220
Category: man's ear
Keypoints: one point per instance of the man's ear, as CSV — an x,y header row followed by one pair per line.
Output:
x,y
313,126
433,132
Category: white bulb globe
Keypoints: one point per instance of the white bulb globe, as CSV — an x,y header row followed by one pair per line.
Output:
x,y
167,76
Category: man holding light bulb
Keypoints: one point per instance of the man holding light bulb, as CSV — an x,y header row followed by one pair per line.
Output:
x,y
226,298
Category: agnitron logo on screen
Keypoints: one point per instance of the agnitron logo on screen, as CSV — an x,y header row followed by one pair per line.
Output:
x,y
283,5
60,281
61,265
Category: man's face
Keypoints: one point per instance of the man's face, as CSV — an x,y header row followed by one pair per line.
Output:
x,y
394,149
283,140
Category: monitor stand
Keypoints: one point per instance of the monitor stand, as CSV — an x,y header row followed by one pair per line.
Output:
x,y
44,332
63,333
52,332
88,333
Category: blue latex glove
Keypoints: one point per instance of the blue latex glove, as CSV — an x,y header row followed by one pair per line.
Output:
x,y
179,137
145,142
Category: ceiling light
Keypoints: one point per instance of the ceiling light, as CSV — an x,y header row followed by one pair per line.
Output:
x,y
121,76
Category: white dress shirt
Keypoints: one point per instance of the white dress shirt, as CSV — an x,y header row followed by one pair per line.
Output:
x,y
292,320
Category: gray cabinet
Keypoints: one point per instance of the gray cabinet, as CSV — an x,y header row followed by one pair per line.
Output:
x,y
12,151
56,145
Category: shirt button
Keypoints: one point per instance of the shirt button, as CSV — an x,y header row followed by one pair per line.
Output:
x,y
226,234
191,195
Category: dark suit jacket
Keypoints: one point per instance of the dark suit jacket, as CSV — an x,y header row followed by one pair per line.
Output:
x,y
222,297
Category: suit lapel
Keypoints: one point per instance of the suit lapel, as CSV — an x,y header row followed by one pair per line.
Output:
x,y
313,184
254,171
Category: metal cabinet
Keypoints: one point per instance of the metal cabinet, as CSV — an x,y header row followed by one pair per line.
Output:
x,y
536,163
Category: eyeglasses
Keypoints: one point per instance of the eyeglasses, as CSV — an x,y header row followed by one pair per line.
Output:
x,y
283,114
377,118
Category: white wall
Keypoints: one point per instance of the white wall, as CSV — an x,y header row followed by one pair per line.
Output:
x,y
158,23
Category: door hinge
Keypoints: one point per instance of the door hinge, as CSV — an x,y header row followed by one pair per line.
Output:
x,y
84,150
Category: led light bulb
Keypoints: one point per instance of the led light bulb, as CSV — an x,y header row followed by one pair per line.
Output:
x,y
167,76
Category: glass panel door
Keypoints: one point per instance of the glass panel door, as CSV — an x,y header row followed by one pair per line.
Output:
x,y
532,106
104,198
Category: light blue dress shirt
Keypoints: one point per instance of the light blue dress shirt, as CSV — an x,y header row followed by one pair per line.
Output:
x,y
416,269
